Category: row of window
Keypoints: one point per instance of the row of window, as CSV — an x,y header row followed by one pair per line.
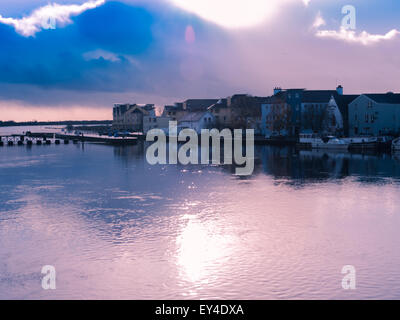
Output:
x,y
317,106
370,105
368,118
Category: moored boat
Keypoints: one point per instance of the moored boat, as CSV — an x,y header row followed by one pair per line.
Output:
x,y
327,142
357,143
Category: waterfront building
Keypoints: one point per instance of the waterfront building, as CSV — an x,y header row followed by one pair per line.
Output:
x,y
291,111
275,116
245,111
375,115
197,121
153,122
174,112
129,117
222,113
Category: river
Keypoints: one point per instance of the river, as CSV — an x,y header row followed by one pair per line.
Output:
x,y
115,227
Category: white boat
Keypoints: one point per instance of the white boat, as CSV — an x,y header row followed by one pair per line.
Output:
x,y
328,142
396,144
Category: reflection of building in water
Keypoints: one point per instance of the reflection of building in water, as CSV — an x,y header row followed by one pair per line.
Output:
x,y
330,164
280,162
131,154
319,164
287,163
383,165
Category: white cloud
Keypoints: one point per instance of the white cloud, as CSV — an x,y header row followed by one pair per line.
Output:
x,y
319,21
49,16
110,56
97,54
306,2
351,36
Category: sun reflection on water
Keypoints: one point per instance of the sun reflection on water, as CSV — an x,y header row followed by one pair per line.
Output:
x,y
202,250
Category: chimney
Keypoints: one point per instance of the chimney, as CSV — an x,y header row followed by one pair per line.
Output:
x,y
339,90
277,90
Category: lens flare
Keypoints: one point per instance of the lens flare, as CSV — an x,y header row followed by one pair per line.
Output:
x,y
231,13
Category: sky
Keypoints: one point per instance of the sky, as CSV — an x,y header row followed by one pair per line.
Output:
x,y
73,59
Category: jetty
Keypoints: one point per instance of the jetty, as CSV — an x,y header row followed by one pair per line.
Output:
x,y
61,138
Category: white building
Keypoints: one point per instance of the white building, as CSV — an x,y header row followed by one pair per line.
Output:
x,y
197,121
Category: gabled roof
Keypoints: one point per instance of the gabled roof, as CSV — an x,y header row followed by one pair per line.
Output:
x,y
344,100
123,108
148,107
193,116
137,109
390,98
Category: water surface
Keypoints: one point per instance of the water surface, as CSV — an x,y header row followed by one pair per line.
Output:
x,y
115,227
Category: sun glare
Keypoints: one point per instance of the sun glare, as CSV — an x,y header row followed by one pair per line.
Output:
x,y
231,13
201,246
